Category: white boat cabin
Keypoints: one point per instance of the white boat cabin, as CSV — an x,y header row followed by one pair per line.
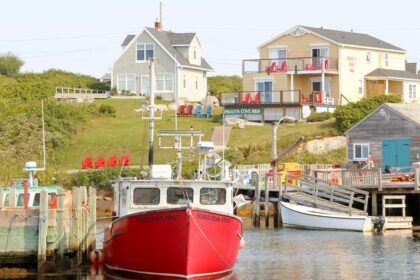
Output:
x,y
34,196
133,196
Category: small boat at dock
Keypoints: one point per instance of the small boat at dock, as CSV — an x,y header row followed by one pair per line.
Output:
x,y
312,218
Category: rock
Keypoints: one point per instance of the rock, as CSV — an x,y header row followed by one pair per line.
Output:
x,y
325,145
210,100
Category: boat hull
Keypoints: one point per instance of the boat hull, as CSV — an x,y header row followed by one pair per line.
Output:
x,y
178,243
307,217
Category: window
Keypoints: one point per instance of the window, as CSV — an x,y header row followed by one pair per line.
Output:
x,y
317,55
412,91
195,52
196,83
368,56
52,200
386,60
144,52
145,84
278,56
164,82
360,87
7,200
20,200
360,151
126,82
212,196
185,81
146,196
265,88
179,195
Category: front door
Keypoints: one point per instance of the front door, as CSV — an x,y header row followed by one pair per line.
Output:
x,y
396,153
265,88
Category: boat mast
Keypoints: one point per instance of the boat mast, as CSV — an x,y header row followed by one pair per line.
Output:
x,y
151,108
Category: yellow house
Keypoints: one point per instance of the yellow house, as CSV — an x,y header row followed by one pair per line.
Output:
x,y
308,68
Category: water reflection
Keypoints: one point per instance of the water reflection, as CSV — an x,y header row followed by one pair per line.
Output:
x,y
309,254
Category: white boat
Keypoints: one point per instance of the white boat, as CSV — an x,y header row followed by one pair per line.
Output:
x,y
308,217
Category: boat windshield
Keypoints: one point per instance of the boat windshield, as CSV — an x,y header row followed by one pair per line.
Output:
x,y
146,196
179,195
212,196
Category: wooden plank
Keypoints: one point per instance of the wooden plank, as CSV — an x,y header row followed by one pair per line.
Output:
x,y
1,197
92,218
61,246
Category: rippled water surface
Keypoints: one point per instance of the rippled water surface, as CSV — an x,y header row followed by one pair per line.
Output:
x,y
309,254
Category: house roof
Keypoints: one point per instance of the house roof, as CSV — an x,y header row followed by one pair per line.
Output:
x,y
352,38
341,38
127,40
169,40
410,112
389,73
106,76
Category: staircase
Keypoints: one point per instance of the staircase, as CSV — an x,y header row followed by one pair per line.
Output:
x,y
217,137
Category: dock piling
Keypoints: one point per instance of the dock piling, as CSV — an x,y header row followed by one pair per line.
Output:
x,y
256,216
266,202
42,229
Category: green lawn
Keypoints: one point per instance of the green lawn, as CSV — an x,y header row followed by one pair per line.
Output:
x,y
127,133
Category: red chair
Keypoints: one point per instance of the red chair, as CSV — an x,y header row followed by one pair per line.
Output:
x,y
124,161
87,163
304,99
318,97
181,109
100,162
112,161
257,98
188,111
248,98
283,67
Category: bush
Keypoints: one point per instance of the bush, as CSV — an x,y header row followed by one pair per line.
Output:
x,y
10,64
319,117
346,116
107,109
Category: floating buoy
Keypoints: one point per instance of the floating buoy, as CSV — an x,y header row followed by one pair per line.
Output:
x,y
96,256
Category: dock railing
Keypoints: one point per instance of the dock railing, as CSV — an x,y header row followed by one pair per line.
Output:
x,y
334,197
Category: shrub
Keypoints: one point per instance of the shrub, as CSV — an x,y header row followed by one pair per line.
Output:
x,y
107,109
10,64
319,117
346,116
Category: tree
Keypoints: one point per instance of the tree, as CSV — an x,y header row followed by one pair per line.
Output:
x,y
220,84
10,64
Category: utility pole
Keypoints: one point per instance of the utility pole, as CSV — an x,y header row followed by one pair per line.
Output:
x,y
151,109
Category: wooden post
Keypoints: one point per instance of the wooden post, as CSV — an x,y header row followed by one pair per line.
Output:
x,y
60,223
417,177
77,224
266,201
375,203
280,222
256,218
42,230
85,223
380,179
92,219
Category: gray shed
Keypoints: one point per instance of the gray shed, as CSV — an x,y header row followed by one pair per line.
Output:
x,y
390,134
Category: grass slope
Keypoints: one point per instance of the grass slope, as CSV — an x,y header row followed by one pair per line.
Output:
x,y
127,133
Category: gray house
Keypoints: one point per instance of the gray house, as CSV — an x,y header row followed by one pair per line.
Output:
x,y
181,72
390,134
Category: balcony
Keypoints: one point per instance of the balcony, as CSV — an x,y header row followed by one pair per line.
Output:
x,y
275,98
302,65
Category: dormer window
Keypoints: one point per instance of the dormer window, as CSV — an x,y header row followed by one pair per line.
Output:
x,y
386,60
369,56
144,52
195,53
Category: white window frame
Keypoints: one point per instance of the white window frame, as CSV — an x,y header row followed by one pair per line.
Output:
x,y
185,81
147,92
369,56
196,84
274,55
361,147
360,87
412,91
119,76
165,83
146,59
195,52
386,60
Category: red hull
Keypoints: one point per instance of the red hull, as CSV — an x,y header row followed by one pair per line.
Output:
x,y
181,243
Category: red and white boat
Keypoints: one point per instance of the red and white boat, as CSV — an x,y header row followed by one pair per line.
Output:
x,y
172,228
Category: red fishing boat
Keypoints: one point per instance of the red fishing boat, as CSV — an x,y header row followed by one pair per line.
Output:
x,y
173,228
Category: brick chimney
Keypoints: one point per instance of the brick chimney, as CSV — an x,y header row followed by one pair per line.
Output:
x,y
157,25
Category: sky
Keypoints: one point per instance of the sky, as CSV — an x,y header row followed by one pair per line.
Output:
x,y
85,36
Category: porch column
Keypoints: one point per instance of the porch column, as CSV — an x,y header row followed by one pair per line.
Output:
x,y
291,87
323,80
386,87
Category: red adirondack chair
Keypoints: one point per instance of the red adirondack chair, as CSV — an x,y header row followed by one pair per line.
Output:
x,y
283,67
181,109
124,161
87,163
100,162
257,98
112,161
188,111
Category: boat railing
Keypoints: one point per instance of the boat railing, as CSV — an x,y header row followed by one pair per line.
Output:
x,y
333,197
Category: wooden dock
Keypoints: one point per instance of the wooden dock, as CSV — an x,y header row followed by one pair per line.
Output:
x,y
59,237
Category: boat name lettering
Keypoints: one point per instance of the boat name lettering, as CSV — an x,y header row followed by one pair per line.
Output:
x,y
212,218
158,218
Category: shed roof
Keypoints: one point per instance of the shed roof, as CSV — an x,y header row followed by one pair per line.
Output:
x,y
410,112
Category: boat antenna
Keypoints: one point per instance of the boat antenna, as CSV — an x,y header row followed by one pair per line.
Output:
x,y
43,135
151,109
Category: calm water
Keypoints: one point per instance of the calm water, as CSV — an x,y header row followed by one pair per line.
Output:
x,y
309,254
